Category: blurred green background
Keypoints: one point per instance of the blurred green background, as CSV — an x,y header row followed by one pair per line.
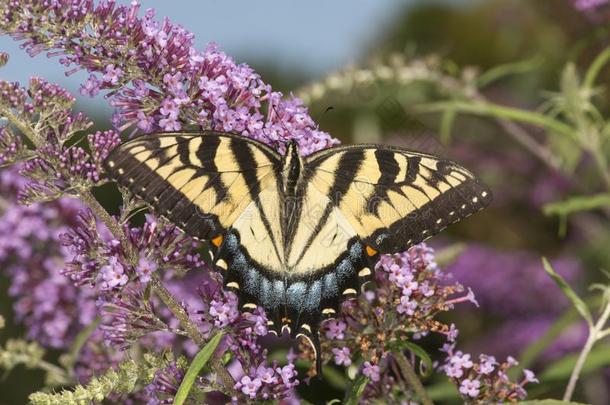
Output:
x,y
498,252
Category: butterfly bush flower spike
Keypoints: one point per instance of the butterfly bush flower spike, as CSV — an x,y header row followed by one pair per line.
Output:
x,y
484,380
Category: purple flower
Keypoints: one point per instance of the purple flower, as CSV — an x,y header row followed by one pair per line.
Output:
x,y
145,268
488,363
470,388
165,383
266,374
169,108
169,124
483,382
173,82
145,123
91,87
530,377
112,74
223,312
126,50
287,373
335,329
406,306
113,274
342,356
372,371
249,386
457,363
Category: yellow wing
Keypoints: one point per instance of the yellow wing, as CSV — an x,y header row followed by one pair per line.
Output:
x,y
394,198
202,182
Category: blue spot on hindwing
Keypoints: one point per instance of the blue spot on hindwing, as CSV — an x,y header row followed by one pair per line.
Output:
x,y
330,286
295,294
312,303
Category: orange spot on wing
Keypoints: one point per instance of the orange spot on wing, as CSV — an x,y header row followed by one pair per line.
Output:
x,y
217,241
370,251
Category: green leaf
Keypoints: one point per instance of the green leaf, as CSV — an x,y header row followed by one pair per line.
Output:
x,y
147,292
443,391
577,204
417,350
578,303
69,359
352,396
335,378
447,120
597,65
562,368
198,363
531,353
448,254
501,71
495,110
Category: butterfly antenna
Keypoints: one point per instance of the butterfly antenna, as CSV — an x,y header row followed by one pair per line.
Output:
x,y
272,107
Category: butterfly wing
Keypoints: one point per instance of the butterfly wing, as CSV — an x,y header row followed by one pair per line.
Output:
x,y
360,201
395,198
200,181
356,202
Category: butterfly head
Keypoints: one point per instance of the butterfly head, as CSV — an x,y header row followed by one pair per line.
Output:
x,y
292,147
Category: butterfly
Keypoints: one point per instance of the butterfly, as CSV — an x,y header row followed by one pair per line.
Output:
x,y
295,235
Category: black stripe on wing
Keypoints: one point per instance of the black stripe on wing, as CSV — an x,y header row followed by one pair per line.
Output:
x,y
432,196
127,164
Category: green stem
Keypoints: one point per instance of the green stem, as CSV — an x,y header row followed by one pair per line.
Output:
x,y
489,109
112,225
596,67
178,310
61,376
602,166
22,126
407,370
595,334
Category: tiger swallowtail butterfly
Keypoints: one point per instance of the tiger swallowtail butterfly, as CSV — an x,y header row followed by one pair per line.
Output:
x,y
295,235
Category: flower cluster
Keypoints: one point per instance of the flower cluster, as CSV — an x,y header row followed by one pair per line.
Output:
x,y
156,78
409,292
11,147
266,382
485,380
53,310
165,383
99,259
256,377
55,168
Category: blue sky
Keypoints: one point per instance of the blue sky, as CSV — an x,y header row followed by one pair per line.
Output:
x,y
314,37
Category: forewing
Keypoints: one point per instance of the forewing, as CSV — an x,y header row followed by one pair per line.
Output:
x,y
395,198
200,181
